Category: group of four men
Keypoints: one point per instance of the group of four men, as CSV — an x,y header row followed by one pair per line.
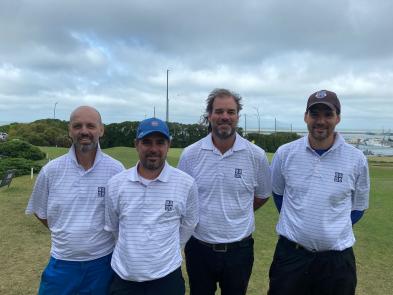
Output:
x,y
117,231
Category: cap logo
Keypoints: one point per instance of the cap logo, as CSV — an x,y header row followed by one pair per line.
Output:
x,y
321,94
154,123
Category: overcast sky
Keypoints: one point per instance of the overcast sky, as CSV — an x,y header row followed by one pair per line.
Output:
x,y
114,55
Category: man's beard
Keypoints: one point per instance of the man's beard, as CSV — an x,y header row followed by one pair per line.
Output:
x,y
85,148
225,134
152,166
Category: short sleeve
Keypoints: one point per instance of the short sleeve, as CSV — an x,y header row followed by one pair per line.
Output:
x,y
264,187
278,181
38,201
360,198
111,207
183,164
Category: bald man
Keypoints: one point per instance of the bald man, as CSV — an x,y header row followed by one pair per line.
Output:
x,y
68,198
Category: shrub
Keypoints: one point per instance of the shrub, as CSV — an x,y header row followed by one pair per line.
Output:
x,y
20,149
271,142
21,165
47,132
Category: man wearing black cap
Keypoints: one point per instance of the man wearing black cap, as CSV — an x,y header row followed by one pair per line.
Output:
x,y
152,209
321,188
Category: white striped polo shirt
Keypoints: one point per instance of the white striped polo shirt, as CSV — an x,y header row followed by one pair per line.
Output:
x,y
152,222
227,184
72,200
320,192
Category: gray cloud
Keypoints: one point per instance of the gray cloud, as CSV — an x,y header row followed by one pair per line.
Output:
x,y
274,53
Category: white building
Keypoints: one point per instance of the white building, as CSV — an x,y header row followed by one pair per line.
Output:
x,y
3,136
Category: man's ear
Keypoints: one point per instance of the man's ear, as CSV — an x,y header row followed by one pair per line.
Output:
x,y
338,119
102,131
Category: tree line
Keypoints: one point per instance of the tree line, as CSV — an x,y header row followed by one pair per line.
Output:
x,y
54,132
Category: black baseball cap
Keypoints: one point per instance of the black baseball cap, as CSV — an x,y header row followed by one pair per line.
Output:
x,y
325,97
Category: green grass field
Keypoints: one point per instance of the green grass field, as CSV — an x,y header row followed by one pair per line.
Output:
x,y
25,243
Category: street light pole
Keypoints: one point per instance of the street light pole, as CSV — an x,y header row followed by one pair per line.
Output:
x,y
54,111
259,120
167,99
245,124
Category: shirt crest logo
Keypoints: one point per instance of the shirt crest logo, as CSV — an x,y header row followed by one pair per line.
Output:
x,y
168,205
101,191
338,177
238,173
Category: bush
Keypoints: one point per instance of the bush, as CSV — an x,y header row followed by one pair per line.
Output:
x,y
271,142
47,132
20,149
21,165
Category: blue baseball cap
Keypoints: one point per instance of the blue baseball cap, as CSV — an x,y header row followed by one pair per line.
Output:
x,y
151,125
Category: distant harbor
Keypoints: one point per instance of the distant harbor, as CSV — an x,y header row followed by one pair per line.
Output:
x,y
370,142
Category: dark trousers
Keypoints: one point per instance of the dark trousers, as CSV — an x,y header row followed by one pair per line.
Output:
x,y
171,284
297,271
229,265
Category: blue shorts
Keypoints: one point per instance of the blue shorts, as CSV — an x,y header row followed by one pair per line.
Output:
x,y
62,277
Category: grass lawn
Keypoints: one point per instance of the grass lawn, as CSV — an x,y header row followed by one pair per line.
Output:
x,y
25,243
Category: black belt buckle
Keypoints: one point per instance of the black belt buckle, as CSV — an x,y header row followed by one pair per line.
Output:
x,y
220,248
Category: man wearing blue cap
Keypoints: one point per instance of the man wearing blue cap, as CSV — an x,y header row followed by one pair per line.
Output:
x,y
152,208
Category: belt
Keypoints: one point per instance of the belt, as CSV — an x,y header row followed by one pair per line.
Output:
x,y
297,246
224,247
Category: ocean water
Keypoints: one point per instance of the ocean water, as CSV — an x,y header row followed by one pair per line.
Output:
x,y
371,143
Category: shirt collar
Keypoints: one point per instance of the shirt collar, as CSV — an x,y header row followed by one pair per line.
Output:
x,y
163,177
338,141
72,155
239,144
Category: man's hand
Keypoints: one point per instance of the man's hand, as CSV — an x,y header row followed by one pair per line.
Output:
x,y
43,221
258,203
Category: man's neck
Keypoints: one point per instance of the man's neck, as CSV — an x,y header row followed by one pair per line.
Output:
x,y
223,145
322,144
86,160
147,173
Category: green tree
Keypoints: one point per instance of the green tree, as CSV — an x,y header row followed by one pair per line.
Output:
x,y
21,165
271,142
20,149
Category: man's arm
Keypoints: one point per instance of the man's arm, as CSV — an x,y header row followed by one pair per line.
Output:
x,y
38,201
360,196
264,185
191,217
111,211
278,201
356,215
278,181
183,163
43,221
259,202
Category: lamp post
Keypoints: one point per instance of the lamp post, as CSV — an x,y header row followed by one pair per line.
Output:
x,y
54,110
167,99
245,124
259,120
